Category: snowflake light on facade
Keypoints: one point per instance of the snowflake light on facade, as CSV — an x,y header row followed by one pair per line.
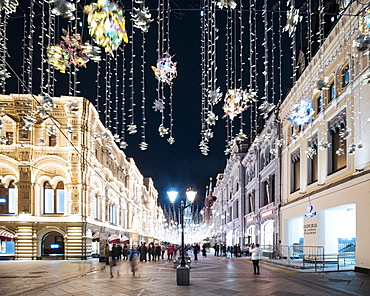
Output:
x,y
106,22
171,140
301,113
123,145
132,129
211,118
237,101
143,146
158,105
324,145
266,108
162,130
311,152
166,69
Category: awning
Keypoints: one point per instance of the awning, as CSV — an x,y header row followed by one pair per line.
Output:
x,y
114,239
125,240
6,235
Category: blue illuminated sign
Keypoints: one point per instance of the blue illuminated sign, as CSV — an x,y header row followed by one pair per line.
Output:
x,y
310,211
54,246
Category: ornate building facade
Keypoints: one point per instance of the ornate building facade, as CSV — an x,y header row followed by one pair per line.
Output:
x,y
66,188
321,169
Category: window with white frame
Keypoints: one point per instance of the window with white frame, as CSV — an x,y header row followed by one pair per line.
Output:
x,y
54,198
331,92
312,161
113,214
97,208
345,76
337,136
7,198
295,176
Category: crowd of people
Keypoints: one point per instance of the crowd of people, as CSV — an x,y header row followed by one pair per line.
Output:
x,y
156,252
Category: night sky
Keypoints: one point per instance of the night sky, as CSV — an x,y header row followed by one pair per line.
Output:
x,y
181,165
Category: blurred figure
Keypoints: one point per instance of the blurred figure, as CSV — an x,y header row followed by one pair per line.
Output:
x,y
196,250
106,254
204,250
134,255
256,254
113,262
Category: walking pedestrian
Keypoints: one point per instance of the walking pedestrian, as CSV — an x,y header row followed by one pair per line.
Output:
x,y
256,254
113,262
106,254
196,250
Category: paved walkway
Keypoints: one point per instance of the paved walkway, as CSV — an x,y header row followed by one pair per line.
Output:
x,y
208,276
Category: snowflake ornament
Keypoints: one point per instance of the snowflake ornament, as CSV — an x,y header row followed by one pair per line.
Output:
x,y
226,4
339,152
132,129
203,147
29,121
352,149
123,145
280,142
301,113
143,146
345,133
266,108
237,101
63,8
293,18
106,22
158,105
214,96
321,84
116,138
211,118
241,136
273,151
162,130
141,18
311,152
324,145
165,70
42,141
93,52
208,134
3,140
171,140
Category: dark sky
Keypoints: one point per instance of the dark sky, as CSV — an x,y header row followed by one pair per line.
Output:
x,y
180,165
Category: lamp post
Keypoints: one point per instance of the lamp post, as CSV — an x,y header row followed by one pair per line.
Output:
x,y
182,271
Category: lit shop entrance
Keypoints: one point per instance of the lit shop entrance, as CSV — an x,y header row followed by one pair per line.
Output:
x,y
53,245
339,234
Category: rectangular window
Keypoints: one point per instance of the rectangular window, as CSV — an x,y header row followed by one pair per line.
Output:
x,y
345,76
319,105
10,138
49,201
338,152
60,201
313,168
12,192
97,208
52,140
331,93
295,177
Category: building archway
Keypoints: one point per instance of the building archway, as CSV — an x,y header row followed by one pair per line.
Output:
x,y
267,233
52,245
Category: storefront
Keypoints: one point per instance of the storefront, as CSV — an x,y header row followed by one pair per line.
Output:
x,y
6,244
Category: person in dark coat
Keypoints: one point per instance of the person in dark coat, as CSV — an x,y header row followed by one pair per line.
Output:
x,y
119,252
204,250
143,250
196,250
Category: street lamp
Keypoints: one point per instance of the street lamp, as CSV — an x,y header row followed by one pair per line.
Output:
x,y
182,271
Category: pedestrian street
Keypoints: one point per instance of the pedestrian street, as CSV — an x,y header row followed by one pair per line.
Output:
x,y
208,276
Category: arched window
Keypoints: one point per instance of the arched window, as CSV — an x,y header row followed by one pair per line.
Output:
x,y
54,198
7,198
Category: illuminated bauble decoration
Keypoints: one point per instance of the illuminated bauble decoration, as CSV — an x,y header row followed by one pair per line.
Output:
x,y
241,136
166,69
226,4
293,19
345,133
311,152
106,24
73,107
208,134
8,6
141,18
70,51
237,101
63,8
301,113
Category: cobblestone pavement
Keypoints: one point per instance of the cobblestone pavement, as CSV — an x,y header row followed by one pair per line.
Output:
x,y
208,276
